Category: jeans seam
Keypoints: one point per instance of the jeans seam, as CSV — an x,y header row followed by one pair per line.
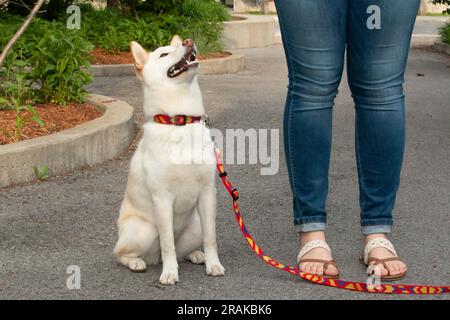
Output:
x,y
358,164
289,115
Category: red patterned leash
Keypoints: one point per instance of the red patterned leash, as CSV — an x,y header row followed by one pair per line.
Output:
x,y
342,284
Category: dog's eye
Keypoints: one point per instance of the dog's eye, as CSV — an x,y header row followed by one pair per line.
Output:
x,y
163,55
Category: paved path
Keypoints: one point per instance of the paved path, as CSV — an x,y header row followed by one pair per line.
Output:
x,y
70,220
429,24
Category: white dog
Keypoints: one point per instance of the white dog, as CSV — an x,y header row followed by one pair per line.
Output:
x,y
168,211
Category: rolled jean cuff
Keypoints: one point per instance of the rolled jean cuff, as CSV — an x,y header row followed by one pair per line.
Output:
x,y
308,227
376,229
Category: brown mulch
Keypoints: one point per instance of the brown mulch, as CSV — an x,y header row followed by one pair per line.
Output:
x,y
56,118
103,57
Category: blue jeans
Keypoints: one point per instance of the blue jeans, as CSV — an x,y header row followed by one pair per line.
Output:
x,y
375,35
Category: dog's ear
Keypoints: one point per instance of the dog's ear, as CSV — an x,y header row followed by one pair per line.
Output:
x,y
139,54
176,41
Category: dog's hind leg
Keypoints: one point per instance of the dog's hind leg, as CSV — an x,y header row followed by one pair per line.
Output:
x,y
136,237
190,240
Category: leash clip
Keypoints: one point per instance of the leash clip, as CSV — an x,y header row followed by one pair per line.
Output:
x,y
204,119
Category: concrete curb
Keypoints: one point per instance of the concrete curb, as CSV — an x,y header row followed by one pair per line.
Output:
x,y
253,31
442,47
423,40
434,18
230,64
93,142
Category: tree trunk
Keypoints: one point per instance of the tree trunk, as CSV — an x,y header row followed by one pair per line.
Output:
x,y
112,4
132,4
21,30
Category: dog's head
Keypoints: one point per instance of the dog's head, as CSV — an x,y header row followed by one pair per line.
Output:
x,y
171,64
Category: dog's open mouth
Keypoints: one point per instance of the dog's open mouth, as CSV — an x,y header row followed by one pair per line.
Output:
x,y
189,60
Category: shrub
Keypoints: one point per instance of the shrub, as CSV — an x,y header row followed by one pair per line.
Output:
x,y
53,61
204,10
445,33
60,59
112,30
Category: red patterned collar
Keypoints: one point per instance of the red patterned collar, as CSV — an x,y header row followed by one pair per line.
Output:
x,y
181,119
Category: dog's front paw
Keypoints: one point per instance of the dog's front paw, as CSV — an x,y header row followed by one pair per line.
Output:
x,y
137,265
197,257
169,277
215,269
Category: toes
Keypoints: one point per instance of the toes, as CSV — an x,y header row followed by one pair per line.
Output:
x,y
319,270
168,278
377,269
137,265
307,267
197,257
215,270
403,267
315,268
331,271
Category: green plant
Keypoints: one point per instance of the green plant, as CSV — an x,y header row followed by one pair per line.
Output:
x,y
57,59
113,30
48,64
61,62
15,95
41,173
204,10
445,33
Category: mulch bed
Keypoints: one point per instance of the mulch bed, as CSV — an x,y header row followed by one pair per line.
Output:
x,y
56,118
103,57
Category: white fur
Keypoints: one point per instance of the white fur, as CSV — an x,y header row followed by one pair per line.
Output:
x,y
168,211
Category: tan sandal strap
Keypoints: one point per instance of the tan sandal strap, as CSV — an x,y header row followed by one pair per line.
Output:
x,y
317,260
377,243
382,261
312,245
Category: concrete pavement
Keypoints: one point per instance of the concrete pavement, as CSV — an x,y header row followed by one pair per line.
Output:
x,y
70,220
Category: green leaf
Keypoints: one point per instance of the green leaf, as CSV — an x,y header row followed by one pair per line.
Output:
x,y
20,63
41,173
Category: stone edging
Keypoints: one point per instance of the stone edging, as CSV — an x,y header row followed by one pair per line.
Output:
x,y
230,64
423,40
442,47
253,31
92,142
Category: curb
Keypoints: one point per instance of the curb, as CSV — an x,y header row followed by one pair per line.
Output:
x,y
423,40
230,64
251,32
442,47
90,143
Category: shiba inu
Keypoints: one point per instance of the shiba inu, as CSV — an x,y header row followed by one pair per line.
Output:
x,y
168,211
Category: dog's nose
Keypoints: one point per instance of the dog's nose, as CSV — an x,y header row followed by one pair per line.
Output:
x,y
188,43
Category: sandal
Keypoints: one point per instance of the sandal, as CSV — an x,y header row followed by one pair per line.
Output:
x,y
318,244
381,243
